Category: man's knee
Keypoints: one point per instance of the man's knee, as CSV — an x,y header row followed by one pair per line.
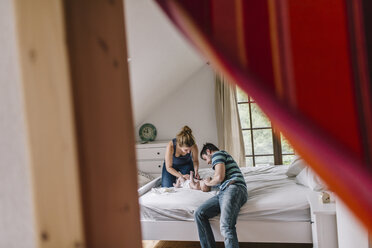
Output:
x,y
199,214
227,230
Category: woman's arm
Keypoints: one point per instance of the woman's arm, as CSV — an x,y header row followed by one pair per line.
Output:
x,y
169,160
218,177
195,159
193,184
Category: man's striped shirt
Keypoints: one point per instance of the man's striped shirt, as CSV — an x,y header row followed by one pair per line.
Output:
x,y
232,170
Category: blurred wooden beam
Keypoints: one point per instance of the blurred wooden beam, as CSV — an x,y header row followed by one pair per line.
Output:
x,y
50,123
105,132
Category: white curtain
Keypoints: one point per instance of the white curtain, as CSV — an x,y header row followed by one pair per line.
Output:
x,y
230,136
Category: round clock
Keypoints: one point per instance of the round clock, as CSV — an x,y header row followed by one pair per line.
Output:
x,y
147,132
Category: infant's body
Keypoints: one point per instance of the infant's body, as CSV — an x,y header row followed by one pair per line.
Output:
x,y
185,184
192,184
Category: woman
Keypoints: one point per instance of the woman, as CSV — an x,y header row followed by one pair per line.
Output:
x,y
181,157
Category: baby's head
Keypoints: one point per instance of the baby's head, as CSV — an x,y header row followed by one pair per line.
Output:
x,y
204,187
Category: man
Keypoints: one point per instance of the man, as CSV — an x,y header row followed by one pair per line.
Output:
x,y
233,194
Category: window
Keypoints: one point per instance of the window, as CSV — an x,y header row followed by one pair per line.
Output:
x,y
263,144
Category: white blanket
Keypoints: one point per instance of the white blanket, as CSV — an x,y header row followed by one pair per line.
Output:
x,y
271,196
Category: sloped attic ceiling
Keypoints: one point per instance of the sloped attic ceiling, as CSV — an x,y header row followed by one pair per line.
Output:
x,y
160,60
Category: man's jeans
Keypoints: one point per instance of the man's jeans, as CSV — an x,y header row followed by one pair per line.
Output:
x,y
227,202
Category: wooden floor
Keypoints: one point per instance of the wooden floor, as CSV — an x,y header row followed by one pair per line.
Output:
x,y
184,244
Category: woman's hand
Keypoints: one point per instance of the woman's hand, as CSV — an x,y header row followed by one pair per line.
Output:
x,y
182,179
197,175
186,176
195,159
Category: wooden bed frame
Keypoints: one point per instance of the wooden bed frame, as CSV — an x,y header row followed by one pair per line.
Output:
x,y
248,231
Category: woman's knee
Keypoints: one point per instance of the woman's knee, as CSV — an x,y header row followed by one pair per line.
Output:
x,y
167,183
167,179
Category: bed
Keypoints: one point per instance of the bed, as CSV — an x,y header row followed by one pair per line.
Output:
x,y
277,210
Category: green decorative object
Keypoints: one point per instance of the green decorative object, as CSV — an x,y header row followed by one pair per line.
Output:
x,y
147,132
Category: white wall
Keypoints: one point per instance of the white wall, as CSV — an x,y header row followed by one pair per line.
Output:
x,y
16,213
193,105
160,58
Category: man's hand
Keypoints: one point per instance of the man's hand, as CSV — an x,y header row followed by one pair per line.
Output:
x,y
218,177
207,179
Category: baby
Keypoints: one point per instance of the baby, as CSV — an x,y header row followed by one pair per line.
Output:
x,y
192,184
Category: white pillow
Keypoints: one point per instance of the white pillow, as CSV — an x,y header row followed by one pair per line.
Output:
x,y
296,167
143,178
308,178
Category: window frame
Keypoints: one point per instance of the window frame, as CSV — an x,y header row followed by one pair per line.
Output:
x,y
276,135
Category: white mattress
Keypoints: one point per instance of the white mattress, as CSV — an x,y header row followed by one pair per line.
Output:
x,y
271,196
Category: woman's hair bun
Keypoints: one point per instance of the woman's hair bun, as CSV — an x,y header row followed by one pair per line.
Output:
x,y
186,129
185,137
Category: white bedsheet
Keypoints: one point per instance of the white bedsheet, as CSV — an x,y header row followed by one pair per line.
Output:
x,y
271,196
